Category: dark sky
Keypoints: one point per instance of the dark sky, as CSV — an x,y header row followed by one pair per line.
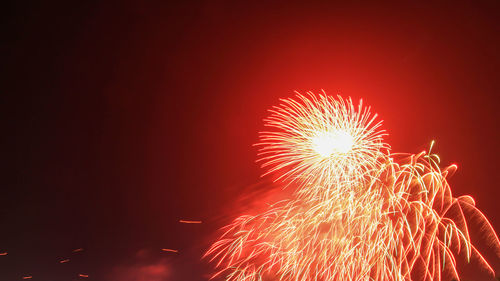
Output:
x,y
122,118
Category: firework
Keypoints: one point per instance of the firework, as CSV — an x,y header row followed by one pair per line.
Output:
x,y
321,141
358,212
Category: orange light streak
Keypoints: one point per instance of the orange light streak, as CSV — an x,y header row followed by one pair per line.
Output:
x,y
169,250
188,221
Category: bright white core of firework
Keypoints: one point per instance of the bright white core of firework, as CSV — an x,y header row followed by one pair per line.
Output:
x,y
328,143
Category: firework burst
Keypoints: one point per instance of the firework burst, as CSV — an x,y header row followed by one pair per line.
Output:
x,y
358,212
321,141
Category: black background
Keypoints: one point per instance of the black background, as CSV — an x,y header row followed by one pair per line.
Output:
x,y
123,117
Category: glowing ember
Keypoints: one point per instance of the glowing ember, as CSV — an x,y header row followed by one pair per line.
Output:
x,y
358,212
188,221
169,250
78,250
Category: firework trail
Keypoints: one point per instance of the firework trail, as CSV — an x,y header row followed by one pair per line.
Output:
x,y
358,211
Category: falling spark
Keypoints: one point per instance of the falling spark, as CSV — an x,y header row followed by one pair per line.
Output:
x,y
77,250
64,261
188,221
169,250
358,211
3,254
83,275
27,277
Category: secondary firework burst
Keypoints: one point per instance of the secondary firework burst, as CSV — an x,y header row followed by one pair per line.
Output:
x,y
358,212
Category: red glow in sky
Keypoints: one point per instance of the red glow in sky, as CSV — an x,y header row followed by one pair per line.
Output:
x,y
122,120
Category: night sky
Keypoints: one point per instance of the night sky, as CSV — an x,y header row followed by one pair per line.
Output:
x,y
122,118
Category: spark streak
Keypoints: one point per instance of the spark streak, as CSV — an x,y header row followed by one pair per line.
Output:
x,y
190,221
358,212
169,250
